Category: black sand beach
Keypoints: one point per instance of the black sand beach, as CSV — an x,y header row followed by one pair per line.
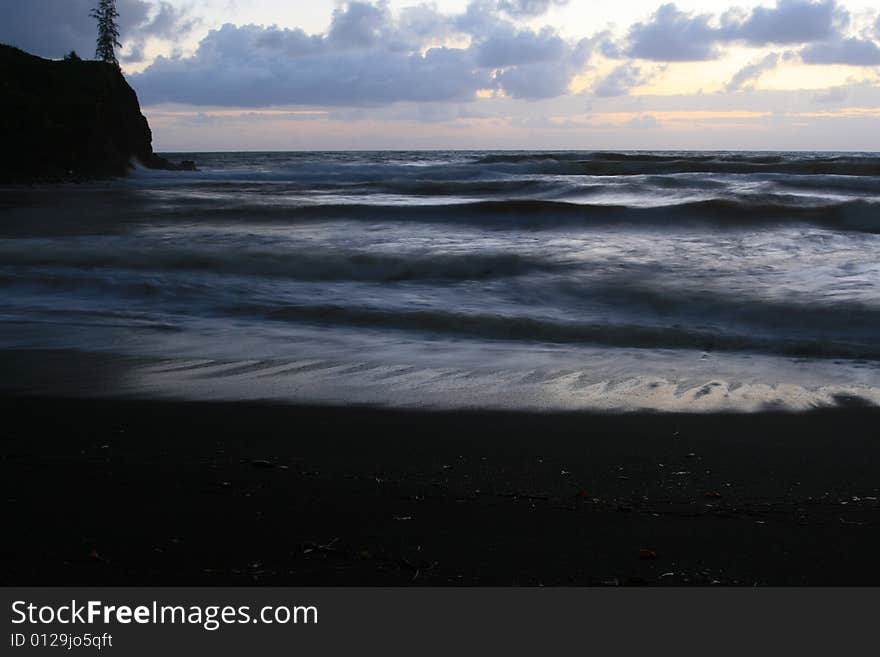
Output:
x,y
184,493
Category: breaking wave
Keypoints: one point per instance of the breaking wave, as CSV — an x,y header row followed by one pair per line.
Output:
x,y
854,215
769,257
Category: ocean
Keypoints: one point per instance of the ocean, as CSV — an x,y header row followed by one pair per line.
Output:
x,y
673,281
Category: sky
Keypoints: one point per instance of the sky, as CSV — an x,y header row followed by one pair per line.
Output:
x,y
486,74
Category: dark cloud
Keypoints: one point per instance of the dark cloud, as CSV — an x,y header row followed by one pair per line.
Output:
x,y
534,81
674,36
528,8
368,57
52,28
747,76
166,22
535,65
359,25
848,52
252,66
371,56
621,80
529,64
421,23
480,18
789,22
521,47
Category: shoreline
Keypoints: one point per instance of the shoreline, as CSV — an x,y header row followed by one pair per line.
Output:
x,y
128,492
540,383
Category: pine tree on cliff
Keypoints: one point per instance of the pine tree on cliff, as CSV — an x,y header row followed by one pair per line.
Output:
x,y
108,31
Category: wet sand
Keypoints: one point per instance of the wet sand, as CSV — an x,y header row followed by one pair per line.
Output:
x,y
123,492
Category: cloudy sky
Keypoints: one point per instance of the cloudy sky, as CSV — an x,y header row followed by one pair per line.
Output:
x,y
282,74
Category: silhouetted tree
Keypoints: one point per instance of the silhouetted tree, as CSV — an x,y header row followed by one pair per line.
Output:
x,y
72,57
108,31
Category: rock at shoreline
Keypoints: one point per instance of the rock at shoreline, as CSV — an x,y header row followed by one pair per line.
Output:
x,y
70,120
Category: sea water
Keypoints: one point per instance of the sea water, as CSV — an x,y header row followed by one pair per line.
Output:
x,y
672,281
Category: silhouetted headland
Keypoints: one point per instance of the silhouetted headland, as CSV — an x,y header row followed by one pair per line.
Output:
x,y
70,120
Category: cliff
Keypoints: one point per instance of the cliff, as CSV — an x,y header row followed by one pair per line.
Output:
x,y
69,120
